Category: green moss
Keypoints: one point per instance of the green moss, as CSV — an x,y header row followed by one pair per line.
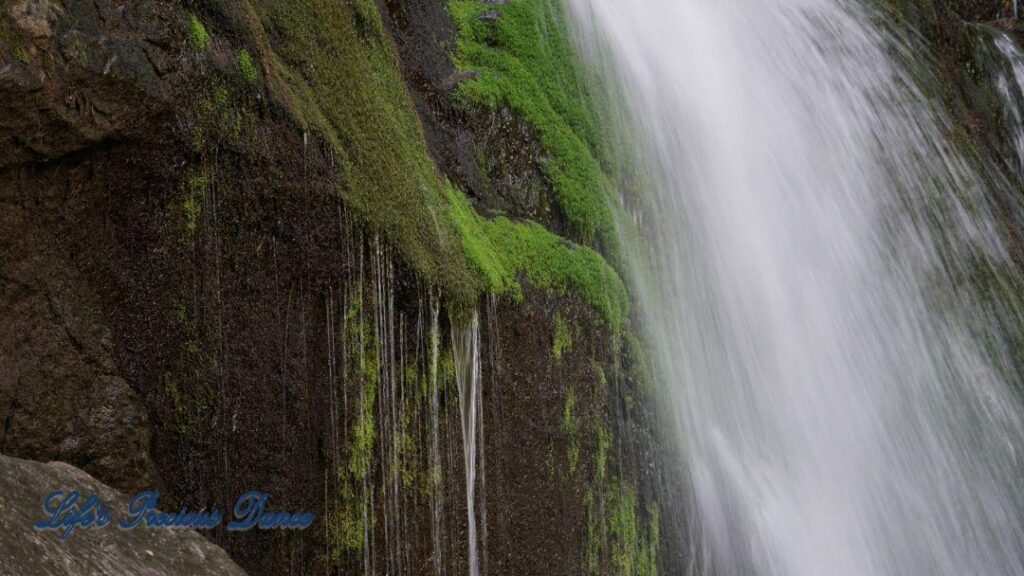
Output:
x,y
335,69
600,382
604,444
571,429
219,96
562,340
524,59
220,119
361,334
502,250
194,189
353,518
622,535
190,397
198,37
633,548
333,65
20,54
639,364
246,66
648,565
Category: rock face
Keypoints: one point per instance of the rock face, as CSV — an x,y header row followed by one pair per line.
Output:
x,y
94,71
107,551
186,303
74,77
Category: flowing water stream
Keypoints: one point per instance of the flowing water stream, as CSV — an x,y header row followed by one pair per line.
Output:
x,y
843,396
468,375
1007,61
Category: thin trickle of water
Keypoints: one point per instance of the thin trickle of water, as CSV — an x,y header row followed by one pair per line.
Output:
x,y
436,485
466,349
841,410
493,364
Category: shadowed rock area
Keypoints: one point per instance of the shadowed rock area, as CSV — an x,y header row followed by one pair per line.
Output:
x,y
90,552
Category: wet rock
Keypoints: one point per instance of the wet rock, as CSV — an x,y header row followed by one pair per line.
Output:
x,y
495,159
61,396
76,74
36,17
106,551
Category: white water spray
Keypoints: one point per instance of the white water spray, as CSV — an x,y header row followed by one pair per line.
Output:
x,y
843,401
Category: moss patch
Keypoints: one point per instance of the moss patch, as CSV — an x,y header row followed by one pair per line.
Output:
x,y
198,37
502,250
334,68
194,187
633,546
571,429
562,340
246,66
353,517
337,72
522,57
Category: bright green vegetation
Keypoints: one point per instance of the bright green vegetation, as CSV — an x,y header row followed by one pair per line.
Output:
x,y
198,37
502,249
622,536
524,59
634,546
222,118
333,65
563,337
246,66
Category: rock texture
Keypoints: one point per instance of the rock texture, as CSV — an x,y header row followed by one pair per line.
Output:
x,y
187,304
93,71
106,551
76,78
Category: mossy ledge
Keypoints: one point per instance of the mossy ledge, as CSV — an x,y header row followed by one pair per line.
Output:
x,y
501,249
334,67
519,54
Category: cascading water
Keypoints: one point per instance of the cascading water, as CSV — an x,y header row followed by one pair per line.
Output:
x,y
466,349
842,395
1008,61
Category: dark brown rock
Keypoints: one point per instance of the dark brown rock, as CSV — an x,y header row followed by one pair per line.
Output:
x,y
77,74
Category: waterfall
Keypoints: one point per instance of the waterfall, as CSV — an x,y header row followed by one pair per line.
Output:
x,y
840,384
1009,82
466,349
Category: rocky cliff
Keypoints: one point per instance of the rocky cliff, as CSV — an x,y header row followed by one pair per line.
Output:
x,y
240,238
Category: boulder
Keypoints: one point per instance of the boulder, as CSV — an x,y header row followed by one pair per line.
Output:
x,y
106,551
